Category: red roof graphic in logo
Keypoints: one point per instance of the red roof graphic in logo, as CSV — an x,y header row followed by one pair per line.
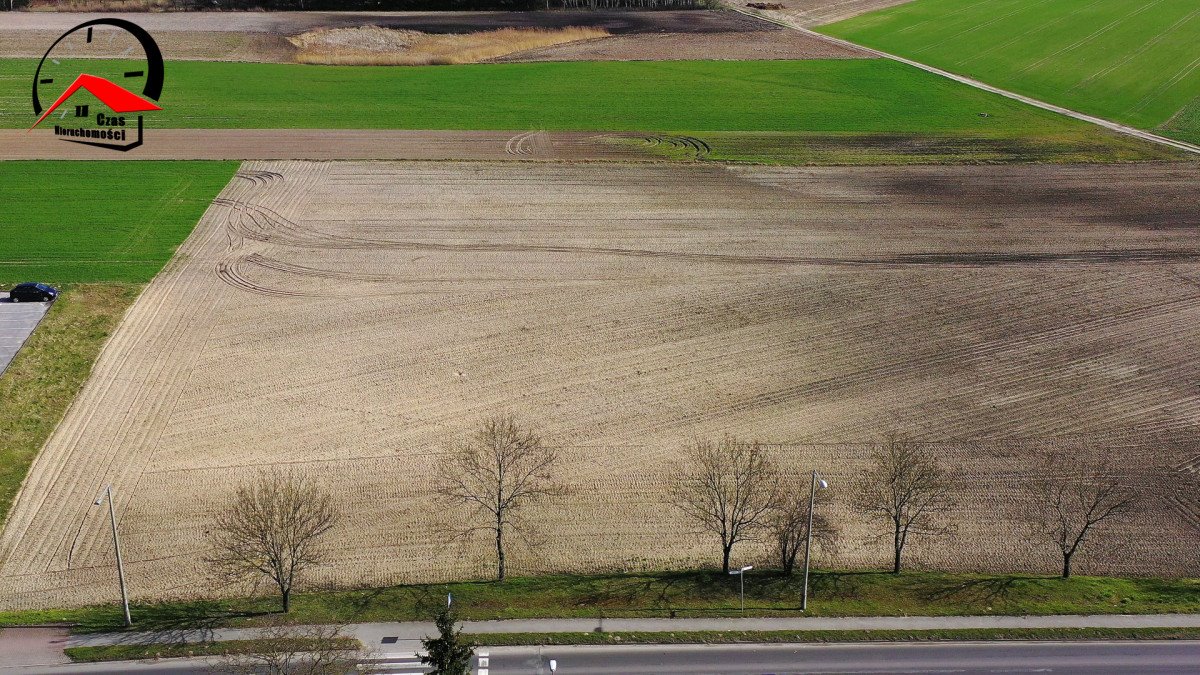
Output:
x,y
119,99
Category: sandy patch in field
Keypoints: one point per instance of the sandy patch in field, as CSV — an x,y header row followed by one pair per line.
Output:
x,y
375,46
352,317
756,45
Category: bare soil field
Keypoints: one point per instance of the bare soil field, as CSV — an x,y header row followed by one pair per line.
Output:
x,y
809,13
354,318
263,36
291,23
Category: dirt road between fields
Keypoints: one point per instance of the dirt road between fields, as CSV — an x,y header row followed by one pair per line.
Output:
x,y
353,318
339,144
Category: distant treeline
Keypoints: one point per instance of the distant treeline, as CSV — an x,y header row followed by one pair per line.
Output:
x,y
349,5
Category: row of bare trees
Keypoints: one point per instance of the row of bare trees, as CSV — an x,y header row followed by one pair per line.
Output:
x,y
733,489
273,528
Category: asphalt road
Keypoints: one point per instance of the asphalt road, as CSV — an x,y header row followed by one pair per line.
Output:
x,y
1101,658
17,321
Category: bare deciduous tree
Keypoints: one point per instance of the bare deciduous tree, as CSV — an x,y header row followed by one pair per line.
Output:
x,y
728,488
298,650
501,469
1075,498
272,530
907,487
788,523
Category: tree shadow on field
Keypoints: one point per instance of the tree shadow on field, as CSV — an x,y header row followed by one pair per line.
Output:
x,y
986,591
836,585
167,622
675,594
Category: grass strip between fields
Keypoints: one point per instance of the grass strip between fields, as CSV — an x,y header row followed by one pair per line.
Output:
x,y
130,652
43,378
703,594
822,636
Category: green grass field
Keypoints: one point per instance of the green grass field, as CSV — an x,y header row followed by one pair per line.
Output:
x,y
75,222
1133,61
857,95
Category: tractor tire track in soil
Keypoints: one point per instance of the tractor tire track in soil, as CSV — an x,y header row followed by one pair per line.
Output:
x,y
327,144
356,317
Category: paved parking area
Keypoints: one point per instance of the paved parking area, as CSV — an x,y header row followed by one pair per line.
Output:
x,y
17,321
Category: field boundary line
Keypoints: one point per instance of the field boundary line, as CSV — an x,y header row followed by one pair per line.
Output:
x,y
962,79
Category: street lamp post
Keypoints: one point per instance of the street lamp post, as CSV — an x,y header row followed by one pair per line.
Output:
x,y
812,494
742,579
112,517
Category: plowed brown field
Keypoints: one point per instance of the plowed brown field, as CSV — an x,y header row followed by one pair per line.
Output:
x,y
353,317
263,36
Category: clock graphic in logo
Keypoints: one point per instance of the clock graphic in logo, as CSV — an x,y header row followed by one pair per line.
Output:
x,y
122,82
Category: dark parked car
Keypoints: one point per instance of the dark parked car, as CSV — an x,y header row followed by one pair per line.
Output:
x,y
31,292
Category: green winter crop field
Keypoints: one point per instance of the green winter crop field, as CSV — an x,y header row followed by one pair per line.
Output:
x,y
79,222
846,96
855,111
1133,61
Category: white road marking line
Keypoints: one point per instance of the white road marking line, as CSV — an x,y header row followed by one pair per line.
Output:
x,y
483,654
483,671
483,661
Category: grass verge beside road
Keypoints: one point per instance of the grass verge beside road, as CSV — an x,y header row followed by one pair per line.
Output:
x,y
194,649
820,636
667,594
39,385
